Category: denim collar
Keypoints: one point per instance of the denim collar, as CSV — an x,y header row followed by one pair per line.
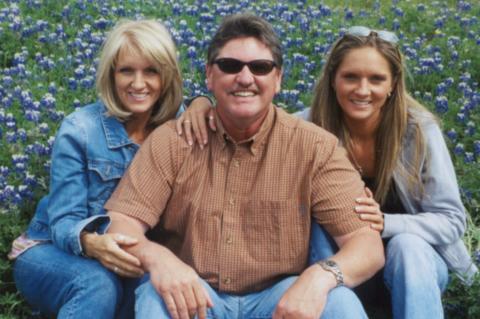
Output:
x,y
115,132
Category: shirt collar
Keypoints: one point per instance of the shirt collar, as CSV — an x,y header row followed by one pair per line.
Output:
x,y
115,132
254,143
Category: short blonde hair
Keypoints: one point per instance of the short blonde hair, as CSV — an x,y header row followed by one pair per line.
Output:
x,y
152,40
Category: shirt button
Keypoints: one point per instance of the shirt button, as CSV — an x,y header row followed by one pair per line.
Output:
x,y
229,240
227,281
231,201
236,163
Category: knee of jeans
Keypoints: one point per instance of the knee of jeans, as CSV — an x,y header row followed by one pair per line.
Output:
x,y
342,302
404,247
148,303
102,283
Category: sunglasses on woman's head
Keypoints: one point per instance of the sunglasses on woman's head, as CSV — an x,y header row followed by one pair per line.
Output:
x,y
365,32
233,66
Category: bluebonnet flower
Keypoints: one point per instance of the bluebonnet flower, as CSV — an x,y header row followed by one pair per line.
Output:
x,y
30,180
468,158
476,148
32,116
88,82
52,88
441,104
11,137
449,81
72,84
461,117
48,101
452,134
441,88
396,24
76,103
348,14
398,11
325,10
7,101
470,130
466,77
7,81
4,171
459,149
79,72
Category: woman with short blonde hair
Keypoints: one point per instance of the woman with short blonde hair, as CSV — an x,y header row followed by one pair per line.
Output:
x,y
66,265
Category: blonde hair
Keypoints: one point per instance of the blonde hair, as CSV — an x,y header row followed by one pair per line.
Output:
x,y
152,40
395,114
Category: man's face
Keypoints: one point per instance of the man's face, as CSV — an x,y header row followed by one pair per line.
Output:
x,y
243,97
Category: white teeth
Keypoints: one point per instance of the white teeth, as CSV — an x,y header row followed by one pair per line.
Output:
x,y
243,93
139,96
360,102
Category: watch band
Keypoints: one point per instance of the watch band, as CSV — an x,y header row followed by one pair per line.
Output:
x,y
331,266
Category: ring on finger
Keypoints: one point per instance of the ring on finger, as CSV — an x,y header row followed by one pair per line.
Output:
x,y
115,269
187,121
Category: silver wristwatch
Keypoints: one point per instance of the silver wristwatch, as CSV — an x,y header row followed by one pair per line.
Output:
x,y
331,266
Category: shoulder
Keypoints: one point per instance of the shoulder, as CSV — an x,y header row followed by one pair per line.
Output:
x,y
166,137
86,116
421,118
305,114
302,130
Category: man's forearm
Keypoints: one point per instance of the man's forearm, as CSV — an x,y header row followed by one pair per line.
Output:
x,y
360,256
145,250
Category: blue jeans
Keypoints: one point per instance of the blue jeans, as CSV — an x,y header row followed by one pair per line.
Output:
x,y
414,273
341,303
69,286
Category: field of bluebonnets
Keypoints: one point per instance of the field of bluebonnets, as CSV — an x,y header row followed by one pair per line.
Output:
x,y
48,54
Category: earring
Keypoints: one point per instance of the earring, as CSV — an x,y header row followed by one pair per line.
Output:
x,y
389,94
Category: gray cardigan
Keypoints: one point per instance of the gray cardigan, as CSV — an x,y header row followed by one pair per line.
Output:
x,y
438,216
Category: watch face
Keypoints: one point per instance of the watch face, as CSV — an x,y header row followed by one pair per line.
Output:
x,y
330,263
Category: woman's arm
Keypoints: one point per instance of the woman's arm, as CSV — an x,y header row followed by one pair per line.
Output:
x,y
71,226
438,216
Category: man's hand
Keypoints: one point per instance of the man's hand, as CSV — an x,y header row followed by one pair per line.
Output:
x,y
307,297
180,287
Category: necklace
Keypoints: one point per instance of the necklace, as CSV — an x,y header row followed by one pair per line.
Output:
x,y
354,161
356,165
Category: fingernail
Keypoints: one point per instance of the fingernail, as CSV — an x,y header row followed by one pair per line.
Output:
x,y
204,142
356,208
190,143
361,216
201,146
357,200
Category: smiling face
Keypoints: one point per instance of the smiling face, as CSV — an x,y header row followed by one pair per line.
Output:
x,y
362,83
137,83
243,99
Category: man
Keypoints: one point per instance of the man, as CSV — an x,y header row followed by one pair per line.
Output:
x,y
235,217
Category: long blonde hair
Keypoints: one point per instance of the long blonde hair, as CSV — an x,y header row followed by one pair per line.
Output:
x,y
395,115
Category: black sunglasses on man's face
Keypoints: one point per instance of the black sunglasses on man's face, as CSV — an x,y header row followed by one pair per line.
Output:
x,y
257,67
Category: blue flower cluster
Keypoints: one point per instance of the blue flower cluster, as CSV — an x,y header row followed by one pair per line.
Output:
x,y
49,53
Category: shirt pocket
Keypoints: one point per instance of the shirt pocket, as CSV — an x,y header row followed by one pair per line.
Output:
x,y
276,229
104,176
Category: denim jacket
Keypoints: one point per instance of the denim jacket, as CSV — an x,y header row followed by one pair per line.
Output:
x,y
91,153
438,216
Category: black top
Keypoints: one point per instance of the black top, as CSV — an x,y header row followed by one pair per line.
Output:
x,y
392,204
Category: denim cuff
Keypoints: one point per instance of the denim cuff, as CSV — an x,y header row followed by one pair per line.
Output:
x,y
92,224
